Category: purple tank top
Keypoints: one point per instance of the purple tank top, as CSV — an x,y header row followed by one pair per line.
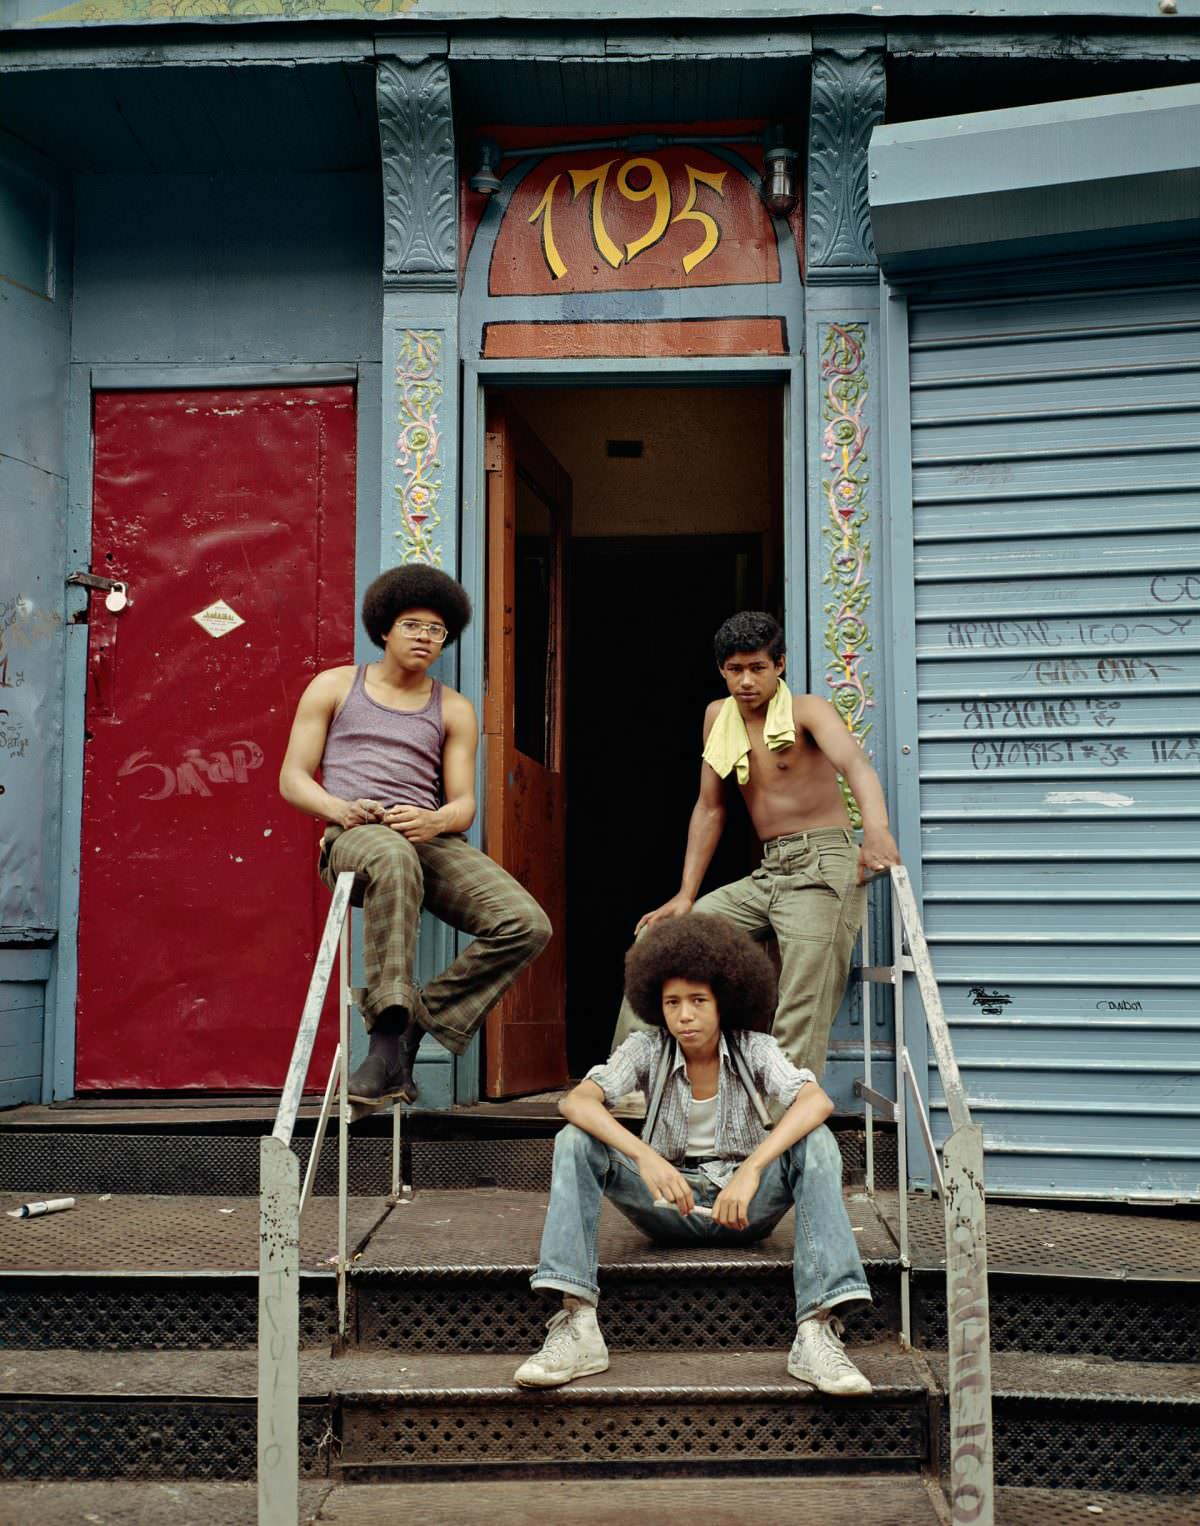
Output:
x,y
373,752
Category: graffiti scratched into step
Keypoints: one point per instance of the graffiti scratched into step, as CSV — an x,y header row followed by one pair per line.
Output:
x,y
195,773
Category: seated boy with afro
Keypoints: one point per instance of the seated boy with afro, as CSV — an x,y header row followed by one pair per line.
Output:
x,y
708,1169
396,752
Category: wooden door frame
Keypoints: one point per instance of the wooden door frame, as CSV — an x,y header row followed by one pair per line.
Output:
x,y
516,456
482,376
550,479
62,986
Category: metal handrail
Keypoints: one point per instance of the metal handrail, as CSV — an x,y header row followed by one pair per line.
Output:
x,y
959,1179
280,1205
282,1202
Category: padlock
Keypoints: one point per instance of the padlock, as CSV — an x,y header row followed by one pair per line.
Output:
x,y
116,599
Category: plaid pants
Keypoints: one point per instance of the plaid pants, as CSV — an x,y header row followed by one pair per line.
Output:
x,y
462,887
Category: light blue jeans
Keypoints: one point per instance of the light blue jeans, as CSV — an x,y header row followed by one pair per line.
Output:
x,y
826,1268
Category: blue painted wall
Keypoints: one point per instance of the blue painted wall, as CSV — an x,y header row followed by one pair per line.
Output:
x,y
228,268
34,335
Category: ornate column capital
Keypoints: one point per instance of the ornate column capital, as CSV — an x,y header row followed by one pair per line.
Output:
x,y
416,136
847,102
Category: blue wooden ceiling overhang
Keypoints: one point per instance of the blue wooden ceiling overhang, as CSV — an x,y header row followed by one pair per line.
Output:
x,y
607,77
210,117
1112,171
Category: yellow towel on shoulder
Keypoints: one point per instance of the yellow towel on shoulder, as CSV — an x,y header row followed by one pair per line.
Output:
x,y
728,745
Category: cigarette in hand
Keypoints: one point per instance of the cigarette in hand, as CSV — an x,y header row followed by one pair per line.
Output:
x,y
699,1209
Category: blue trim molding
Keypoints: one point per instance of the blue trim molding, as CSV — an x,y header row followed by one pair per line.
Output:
x,y
1107,172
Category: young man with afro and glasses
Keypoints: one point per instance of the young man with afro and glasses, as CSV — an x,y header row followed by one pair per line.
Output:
x,y
707,1169
396,753
785,753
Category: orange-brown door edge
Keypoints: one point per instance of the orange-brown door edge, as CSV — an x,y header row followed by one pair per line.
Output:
x,y
525,800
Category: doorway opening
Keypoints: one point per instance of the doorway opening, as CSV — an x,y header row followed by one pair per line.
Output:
x,y
675,522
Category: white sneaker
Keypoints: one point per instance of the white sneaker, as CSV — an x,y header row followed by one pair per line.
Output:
x,y
818,1357
574,1347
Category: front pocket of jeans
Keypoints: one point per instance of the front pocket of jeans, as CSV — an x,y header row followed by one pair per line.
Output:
x,y
836,868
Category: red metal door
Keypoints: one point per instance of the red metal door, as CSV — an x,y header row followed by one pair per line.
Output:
x,y
230,515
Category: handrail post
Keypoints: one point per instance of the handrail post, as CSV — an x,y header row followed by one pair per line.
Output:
x,y
967,1327
278,1334
901,1122
343,1127
972,1477
278,1447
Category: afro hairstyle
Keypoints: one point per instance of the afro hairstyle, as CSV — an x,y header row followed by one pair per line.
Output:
x,y
699,946
414,587
750,631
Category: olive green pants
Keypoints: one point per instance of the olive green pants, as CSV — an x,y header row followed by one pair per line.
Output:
x,y
806,893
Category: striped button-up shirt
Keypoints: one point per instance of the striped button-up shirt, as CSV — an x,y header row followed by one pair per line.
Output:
x,y
634,1066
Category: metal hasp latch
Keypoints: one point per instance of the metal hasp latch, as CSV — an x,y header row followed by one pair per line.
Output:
x,y
116,591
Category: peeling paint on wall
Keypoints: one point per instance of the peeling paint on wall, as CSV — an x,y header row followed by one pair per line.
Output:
x,y
85,11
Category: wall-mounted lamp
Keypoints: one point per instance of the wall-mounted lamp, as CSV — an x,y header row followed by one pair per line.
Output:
x,y
779,192
485,179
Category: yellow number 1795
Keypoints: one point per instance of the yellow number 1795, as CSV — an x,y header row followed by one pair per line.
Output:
x,y
656,189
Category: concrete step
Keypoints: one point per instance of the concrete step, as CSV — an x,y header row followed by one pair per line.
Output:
x,y
448,1415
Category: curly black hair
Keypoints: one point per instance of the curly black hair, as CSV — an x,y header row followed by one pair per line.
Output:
x,y
750,631
414,587
700,946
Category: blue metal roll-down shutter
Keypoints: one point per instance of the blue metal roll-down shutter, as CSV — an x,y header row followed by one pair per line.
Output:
x,y
1055,488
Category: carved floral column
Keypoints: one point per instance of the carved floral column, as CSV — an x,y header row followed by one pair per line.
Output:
x,y
419,518
843,389
420,308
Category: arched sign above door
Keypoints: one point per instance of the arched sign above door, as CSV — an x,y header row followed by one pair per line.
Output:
x,y
632,245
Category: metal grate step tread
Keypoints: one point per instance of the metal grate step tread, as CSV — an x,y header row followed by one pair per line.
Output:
x,y
846,1499
168,1235
156,1159
1036,1375
475,1233
1053,1507
741,1411
672,1376
376,1377
121,1502
1074,1242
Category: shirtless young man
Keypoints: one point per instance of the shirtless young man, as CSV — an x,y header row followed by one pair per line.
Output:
x,y
808,888
396,751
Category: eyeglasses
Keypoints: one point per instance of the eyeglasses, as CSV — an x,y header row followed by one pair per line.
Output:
x,y
413,628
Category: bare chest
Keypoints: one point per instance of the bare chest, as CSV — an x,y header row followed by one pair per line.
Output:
x,y
788,767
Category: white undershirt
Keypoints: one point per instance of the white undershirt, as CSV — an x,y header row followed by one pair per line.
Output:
x,y
702,1127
